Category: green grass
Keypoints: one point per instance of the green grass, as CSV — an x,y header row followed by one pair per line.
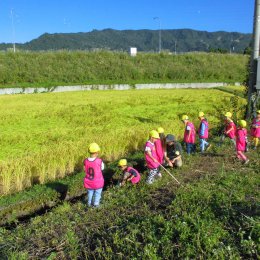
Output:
x,y
48,69
45,137
213,215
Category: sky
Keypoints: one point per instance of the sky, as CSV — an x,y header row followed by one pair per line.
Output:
x,y
24,20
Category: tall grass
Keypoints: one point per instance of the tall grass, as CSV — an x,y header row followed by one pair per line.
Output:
x,y
44,137
64,67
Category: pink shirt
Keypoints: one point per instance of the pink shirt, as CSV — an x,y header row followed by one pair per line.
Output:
x,y
192,131
94,178
149,146
232,133
137,178
241,139
255,132
159,150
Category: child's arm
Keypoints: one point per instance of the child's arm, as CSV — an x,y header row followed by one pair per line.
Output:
x,y
149,153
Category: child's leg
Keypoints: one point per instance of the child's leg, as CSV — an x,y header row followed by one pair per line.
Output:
x,y
233,141
90,196
203,143
222,138
97,196
151,175
188,148
241,156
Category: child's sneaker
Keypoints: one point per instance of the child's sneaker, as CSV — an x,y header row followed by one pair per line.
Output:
x,y
159,175
247,161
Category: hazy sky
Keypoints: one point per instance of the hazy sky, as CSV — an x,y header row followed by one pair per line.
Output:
x,y
31,18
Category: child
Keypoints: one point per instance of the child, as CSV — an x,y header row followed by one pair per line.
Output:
x,y
94,180
130,174
173,152
230,129
241,140
151,157
255,129
189,135
160,145
203,132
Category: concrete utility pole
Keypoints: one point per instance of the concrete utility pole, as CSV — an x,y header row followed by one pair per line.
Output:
x,y
254,73
13,30
160,33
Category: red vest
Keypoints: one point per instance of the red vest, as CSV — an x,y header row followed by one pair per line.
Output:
x,y
137,178
159,150
232,133
206,132
192,137
94,178
150,163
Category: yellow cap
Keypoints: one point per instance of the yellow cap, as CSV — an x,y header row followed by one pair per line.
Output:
x,y
93,148
160,130
122,162
185,117
154,134
228,114
177,153
201,114
242,123
258,111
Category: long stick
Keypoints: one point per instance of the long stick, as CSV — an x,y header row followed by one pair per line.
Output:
x,y
170,174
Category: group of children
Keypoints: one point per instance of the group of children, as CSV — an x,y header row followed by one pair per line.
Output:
x,y
155,152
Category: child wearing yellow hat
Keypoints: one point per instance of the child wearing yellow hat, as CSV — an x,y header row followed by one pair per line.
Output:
x,y
151,157
130,174
255,129
241,141
94,180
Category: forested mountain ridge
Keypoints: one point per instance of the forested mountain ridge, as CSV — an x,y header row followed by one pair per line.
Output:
x,y
179,40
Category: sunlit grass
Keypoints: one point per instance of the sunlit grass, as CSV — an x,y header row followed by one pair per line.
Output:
x,y
44,137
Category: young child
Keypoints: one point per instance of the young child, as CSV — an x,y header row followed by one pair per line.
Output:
x,y
230,129
94,180
203,132
151,157
130,174
241,140
189,135
255,129
160,145
173,152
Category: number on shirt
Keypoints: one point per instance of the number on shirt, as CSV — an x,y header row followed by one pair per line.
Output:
x,y
91,173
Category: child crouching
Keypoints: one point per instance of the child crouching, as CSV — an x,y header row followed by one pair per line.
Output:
x,y
130,174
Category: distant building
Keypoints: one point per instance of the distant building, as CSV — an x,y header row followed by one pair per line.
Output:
x,y
133,51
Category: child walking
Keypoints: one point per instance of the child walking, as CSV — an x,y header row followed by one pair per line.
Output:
x,y
160,145
255,129
189,135
94,180
230,129
151,157
130,174
203,132
241,141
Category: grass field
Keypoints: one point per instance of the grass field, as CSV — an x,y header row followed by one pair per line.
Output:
x,y
25,69
45,137
214,214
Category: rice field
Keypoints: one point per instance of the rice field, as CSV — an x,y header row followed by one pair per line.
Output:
x,y
45,136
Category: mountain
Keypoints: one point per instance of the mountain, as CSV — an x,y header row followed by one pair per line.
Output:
x,y
181,40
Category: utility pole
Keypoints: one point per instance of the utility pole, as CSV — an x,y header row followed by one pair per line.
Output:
x,y
160,33
13,30
254,81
